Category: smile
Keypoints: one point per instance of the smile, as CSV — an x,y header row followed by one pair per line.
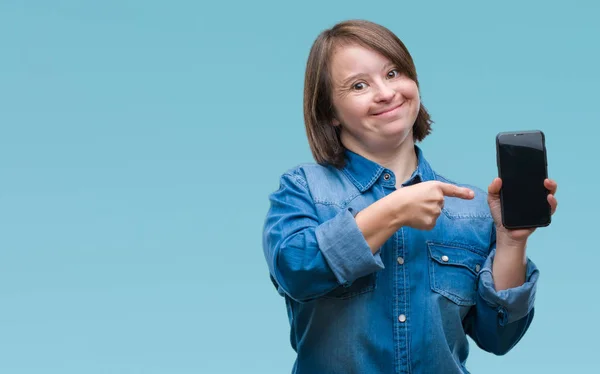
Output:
x,y
389,111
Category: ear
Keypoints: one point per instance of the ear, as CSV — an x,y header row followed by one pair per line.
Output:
x,y
335,122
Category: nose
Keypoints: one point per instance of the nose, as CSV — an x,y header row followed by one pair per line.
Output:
x,y
384,93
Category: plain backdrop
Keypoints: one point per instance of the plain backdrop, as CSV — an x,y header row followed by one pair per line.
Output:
x,y
139,141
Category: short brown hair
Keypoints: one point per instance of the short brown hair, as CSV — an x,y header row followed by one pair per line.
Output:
x,y
323,137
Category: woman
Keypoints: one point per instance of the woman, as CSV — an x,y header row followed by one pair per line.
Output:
x,y
386,266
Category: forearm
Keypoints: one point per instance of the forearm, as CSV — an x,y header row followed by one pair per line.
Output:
x,y
492,336
510,264
300,268
502,317
378,222
308,260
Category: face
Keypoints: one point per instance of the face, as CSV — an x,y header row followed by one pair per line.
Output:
x,y
375,105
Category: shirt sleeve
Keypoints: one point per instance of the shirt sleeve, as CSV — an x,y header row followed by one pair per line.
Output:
x,y
308,258
501,318
512,304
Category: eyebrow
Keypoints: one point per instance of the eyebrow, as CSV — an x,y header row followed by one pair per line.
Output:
x,y
354,76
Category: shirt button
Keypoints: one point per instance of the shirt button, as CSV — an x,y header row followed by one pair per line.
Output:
x,y
400,260
386,176
445,258
477,268
402,318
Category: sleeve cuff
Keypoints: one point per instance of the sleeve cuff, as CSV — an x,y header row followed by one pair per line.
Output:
x,y
345,248
511,304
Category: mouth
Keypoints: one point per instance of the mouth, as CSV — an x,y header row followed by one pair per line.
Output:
x,y
389,110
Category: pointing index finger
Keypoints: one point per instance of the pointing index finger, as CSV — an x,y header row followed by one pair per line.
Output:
x,y
455,191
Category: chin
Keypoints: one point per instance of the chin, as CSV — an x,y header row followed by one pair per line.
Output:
x,y
399,127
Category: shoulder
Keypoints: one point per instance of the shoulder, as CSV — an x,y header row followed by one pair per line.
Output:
x,y
461,208
313,174
325,184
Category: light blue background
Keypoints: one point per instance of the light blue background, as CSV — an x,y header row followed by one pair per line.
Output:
x,y
139,141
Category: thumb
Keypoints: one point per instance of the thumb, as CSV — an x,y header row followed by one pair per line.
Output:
x,y
494,187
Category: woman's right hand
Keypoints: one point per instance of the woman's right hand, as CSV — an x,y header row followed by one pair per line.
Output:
x,y
420,205
416,206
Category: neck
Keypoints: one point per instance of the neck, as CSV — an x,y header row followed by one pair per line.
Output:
x,y
403,163
401,159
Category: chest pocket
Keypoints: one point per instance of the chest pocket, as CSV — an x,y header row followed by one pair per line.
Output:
x,y
453,271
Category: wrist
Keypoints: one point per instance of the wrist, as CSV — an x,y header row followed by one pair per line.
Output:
x,y
397,212
505,241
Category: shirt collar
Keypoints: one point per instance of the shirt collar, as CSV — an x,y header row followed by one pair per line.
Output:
x,y
364,173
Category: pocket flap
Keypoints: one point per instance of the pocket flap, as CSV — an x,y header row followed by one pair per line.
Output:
x,y
446,254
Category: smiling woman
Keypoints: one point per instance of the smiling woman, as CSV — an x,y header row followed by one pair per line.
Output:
x,y
349,67
375,277
376,103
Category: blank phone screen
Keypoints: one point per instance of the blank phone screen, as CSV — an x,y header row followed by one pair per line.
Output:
x,y
522,168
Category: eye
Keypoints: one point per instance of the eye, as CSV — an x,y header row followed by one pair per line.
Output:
x,y
359,86
393,73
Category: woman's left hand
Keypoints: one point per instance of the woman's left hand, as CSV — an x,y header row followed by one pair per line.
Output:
x,y
515,235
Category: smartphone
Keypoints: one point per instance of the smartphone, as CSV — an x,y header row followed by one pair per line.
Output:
x,y
523,167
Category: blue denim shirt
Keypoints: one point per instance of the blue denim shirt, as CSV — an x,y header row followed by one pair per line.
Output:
x,y
409,307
